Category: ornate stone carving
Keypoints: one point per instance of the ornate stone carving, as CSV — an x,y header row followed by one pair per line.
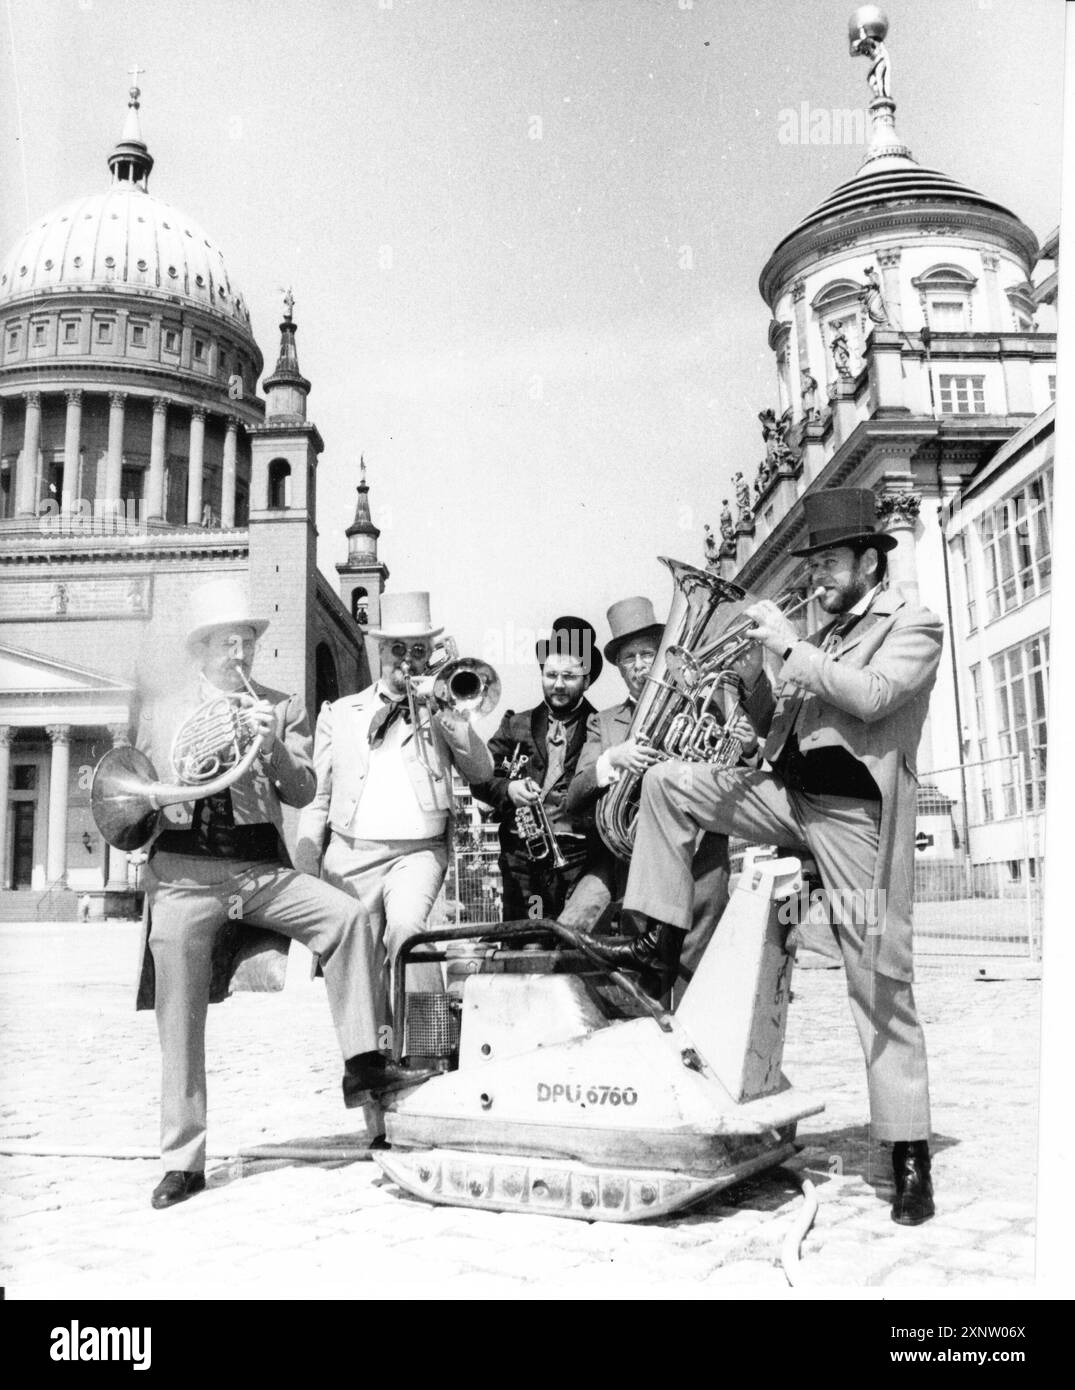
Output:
x,y
841,356
899,507
73,397
873,299
117,399
120,735
890,259
727,522
798,290
61,597
7,733
742,499
160,405
33,400
809,396
59,733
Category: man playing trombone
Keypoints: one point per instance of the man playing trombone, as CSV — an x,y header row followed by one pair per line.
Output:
x,y
218,871
384,786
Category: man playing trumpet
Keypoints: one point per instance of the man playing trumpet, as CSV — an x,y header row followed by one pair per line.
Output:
x,y
384,787
545,850
851,702
218,870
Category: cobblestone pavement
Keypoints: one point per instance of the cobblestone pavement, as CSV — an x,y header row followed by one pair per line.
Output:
x,y
79,1072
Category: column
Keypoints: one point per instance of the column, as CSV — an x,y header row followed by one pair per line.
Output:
x,y
6,733
27,483
889,262
898,508
116,876
56,855
1000,320
154,502
227,485
117,401
72,447
802,346
195,466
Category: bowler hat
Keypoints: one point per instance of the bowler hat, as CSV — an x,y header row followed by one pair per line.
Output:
x,y
220,603
573,637
842,516
631,617
405,615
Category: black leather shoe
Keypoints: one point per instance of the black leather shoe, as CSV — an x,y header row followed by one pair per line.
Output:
x,y
913,1202
176,1186
373,1073
654,955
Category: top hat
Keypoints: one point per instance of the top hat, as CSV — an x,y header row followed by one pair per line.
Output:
x,y
220,603
573,637
842,516
631,617
405,615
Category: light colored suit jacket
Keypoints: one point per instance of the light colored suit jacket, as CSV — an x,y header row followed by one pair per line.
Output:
x,y
871,696
244,957
342,760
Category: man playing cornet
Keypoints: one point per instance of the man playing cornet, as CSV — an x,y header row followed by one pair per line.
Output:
x,y
218,870
384,787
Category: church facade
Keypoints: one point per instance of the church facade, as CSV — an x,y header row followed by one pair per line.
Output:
x,y
138,460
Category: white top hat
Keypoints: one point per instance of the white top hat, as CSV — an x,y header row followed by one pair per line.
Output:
x,y
220,603
405,615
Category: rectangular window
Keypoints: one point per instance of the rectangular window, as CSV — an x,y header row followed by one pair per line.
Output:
x,y
199,350
948,315
1020,679
138,335
104,332
961,548
171,340
962,395
40,334
1016,539
13,340
70,331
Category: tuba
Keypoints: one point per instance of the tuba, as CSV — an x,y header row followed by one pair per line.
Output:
x,y
668,715
691,691
211,749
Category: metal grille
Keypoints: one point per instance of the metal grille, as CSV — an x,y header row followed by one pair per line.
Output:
x,y
432,1028
472,890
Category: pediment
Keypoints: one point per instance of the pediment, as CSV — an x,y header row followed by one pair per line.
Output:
x,y
29,673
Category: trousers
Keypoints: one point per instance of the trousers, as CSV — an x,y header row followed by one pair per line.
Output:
x,y
679,799
397,882
191,900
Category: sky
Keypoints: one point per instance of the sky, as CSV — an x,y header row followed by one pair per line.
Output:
x,y
524,238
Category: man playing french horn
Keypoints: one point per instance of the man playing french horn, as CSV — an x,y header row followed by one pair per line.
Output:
x,y
218,871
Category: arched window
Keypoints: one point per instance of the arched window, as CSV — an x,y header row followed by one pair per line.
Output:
x,y
360,607
279,484
944,296
326,681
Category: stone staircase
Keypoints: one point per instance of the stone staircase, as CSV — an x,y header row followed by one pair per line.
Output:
x,y
39,905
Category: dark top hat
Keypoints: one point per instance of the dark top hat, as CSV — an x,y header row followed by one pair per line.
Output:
x,y
842,516
573,637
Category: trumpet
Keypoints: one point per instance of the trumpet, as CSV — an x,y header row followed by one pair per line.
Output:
x,y
211,749
532,823
462,684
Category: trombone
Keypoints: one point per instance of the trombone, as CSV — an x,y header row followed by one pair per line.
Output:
x,y
462,684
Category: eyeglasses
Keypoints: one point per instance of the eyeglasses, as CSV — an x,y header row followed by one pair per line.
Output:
x,y
418,651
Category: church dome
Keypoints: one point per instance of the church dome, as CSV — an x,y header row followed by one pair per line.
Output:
x,y
123,240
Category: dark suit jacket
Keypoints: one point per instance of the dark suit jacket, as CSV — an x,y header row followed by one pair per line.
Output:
x,y
528,728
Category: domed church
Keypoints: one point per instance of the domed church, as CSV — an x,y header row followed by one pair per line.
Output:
x,y
137,460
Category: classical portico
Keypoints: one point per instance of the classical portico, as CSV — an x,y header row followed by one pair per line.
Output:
x,y
56,720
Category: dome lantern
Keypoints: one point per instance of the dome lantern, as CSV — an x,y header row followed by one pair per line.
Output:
x,y
131,161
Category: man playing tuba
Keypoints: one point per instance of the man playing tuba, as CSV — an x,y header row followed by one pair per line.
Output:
x,y
218,870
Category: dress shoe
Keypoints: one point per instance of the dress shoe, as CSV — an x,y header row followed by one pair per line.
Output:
x,y
176,1186
372,1072
913,1202
654,954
